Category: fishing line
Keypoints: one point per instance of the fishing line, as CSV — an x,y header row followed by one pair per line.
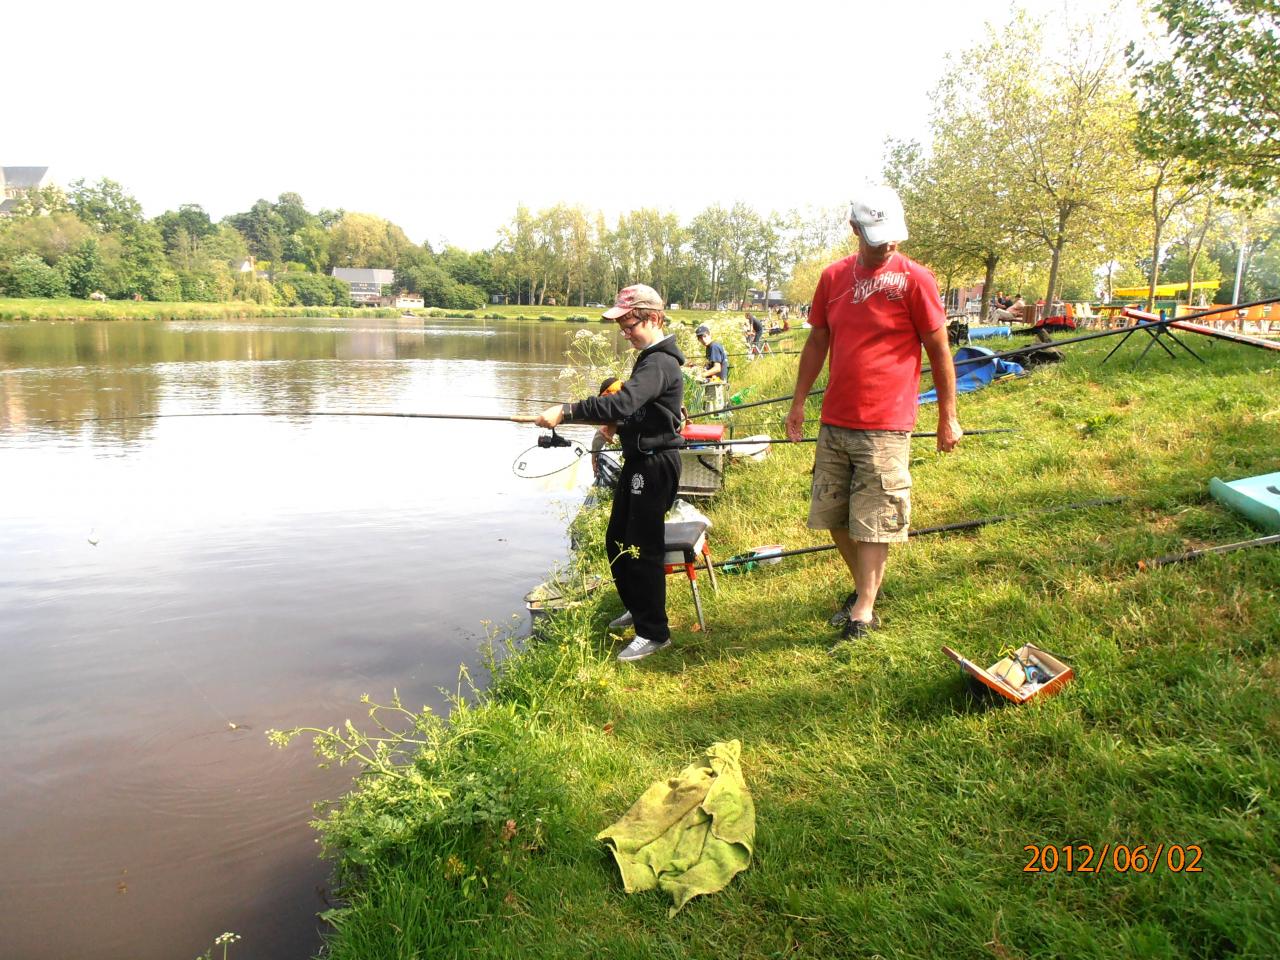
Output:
x,y
520,466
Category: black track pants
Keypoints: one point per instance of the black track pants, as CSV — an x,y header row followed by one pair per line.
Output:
x,y
634,538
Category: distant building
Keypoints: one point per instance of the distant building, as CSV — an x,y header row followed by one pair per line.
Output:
x,y
758,299
410,301
366,284
16,181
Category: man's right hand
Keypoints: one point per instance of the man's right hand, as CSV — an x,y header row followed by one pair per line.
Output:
x,y
795,423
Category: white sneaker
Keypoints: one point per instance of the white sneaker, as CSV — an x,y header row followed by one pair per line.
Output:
x,y
639,648
617,623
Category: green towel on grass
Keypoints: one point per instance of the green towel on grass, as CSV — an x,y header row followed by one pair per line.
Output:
x,y
688,835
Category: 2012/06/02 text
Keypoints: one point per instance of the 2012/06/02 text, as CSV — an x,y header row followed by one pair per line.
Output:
x,y
1113,858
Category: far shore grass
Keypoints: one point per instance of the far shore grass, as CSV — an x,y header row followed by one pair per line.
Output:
x,y
18,308
895,813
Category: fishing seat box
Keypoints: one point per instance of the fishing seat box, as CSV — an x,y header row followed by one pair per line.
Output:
x,y
702,460
1059,672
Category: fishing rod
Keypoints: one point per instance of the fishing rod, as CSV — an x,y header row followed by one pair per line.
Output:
x,y
695,445
304,413
766,353
1031,348
940,528
1227,308
1204,552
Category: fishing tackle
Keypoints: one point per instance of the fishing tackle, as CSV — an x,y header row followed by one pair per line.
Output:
x,y
554,439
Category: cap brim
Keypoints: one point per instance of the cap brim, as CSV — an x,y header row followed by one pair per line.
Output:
x,y
613,313
884,233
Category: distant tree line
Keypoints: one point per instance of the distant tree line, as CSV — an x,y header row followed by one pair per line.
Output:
x,y
93,238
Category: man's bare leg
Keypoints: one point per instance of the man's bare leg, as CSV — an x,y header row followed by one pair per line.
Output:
x,y
866,561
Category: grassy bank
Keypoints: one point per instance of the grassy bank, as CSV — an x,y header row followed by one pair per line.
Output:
x,y
23,308
893,810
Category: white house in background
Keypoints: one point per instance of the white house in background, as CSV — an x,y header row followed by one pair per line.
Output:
x,y
366,284
410,301
15,181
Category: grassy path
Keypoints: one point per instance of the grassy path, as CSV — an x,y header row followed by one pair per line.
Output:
x,y
894,811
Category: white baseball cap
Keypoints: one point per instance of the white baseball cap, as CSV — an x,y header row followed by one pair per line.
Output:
x,y
876,213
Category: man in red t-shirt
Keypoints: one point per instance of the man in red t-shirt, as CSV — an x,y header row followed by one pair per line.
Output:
x,y
871,313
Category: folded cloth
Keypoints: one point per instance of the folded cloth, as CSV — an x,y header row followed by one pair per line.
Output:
x,y
688,835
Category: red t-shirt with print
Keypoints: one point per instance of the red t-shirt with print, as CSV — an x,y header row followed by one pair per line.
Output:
x,y
877,320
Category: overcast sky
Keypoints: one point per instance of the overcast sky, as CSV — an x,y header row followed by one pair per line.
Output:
x,y
442,117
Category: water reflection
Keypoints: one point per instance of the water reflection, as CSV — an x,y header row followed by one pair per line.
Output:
x,y
70,371
171,588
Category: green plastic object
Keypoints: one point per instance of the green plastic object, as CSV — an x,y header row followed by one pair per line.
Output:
x,y
1258,498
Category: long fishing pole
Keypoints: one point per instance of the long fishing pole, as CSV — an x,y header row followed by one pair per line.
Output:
x,y
1205,551
304,413
695,445
940,528
1030,348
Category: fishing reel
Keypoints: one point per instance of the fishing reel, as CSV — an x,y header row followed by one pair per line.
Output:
x,y
554,440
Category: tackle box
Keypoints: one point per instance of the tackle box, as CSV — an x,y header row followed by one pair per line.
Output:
x,y
1029,673
702,461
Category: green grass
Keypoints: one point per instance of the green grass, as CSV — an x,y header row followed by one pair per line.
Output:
x,y
892,808
21,308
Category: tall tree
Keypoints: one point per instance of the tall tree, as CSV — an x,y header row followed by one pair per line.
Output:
x,y
105,205
1059,125
1172,184
1214,98
364,240
708,239
263,230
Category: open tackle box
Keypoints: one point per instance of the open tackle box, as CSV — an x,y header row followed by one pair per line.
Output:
x,y
1027,673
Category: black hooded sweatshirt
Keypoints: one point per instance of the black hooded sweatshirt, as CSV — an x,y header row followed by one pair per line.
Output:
x,y
647,408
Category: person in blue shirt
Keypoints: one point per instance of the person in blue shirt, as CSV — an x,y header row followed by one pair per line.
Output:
x,y
717,359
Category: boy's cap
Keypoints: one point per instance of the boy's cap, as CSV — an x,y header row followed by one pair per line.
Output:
x,y
702,331
876,213
636,295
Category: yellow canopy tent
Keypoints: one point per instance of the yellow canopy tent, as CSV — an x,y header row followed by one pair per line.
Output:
x,y
1164,289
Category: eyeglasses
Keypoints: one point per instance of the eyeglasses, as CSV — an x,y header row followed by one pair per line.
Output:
x,y
628,327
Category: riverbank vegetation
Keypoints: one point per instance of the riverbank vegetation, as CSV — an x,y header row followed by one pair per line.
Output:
x,y
895,812
23,308
1108,165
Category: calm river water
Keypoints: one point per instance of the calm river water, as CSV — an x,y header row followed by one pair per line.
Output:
x,y
170,589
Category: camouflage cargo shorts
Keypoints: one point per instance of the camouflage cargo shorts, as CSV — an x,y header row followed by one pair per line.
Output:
x,y
861,482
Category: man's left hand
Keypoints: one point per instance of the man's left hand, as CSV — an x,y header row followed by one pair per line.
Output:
x,y
551,417
949,434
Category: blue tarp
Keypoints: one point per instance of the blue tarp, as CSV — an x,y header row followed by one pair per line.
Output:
x,y
982,333
975,376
